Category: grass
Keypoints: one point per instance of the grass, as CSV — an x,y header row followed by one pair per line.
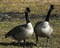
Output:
x,y
18,6
38,12
5,26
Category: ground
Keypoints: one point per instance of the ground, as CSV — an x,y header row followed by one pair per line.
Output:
x,y
38,13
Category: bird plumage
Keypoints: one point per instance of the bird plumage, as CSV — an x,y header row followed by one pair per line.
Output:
x,y
22,32
43,28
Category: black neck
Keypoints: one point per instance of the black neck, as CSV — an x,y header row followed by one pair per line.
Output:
x,y
27,18
48,15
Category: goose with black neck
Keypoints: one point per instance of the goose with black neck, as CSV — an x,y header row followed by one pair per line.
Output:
x,y
22,32
43,28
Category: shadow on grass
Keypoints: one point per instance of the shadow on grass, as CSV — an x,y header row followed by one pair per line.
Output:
x,y
52,16
16,44
20,15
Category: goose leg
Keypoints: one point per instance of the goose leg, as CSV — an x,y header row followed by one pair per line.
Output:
x,y
47,42
24,44
36,40
19,43
24,41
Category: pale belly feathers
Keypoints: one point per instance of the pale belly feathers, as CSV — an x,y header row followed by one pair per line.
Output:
x,y
44,30
28,32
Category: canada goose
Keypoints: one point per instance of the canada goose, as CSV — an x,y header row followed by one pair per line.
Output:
x,y
22,32
43,28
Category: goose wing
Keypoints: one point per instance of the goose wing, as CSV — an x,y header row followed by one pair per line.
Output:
x,y
17,30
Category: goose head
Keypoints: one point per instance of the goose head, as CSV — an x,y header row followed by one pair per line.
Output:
x,y
52,7
27,10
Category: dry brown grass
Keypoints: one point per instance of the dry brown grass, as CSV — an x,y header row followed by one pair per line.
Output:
x,y
38,10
